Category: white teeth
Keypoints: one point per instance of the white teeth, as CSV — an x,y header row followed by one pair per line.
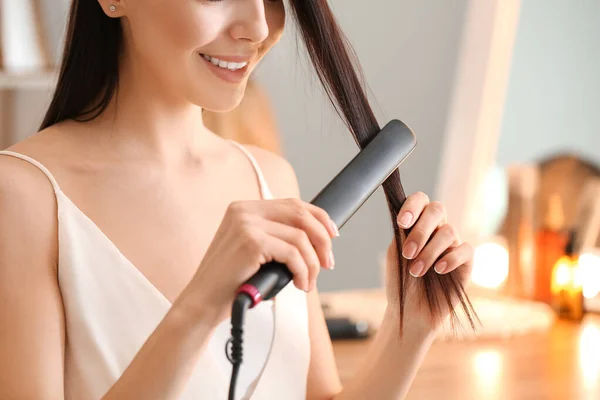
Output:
x,y
232,66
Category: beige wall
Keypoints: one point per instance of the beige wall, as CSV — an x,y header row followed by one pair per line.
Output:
x,y
554,88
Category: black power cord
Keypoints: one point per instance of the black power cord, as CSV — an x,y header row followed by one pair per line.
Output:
x,y
238,312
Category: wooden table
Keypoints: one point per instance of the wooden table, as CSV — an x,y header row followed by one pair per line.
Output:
x,y
560,364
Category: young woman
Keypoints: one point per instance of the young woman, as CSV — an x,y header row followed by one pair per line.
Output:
x,y
126,226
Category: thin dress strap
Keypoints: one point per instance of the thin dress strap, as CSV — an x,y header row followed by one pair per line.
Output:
x,y
264,187
37,164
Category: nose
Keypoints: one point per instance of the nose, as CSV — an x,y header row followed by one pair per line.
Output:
x,y
250,21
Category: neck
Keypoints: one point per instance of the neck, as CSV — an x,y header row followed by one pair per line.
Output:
x,y
145,117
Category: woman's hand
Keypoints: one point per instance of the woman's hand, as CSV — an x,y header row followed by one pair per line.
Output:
x,y
253,233
431,244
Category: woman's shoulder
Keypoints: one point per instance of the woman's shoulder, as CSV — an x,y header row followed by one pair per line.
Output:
x,y
277,170
28,206
27,195
44,145
18,172
22,186
23,180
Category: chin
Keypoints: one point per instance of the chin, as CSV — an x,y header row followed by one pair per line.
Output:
x,y
220,101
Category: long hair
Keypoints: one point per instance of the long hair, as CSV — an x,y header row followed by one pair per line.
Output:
x,y
89,78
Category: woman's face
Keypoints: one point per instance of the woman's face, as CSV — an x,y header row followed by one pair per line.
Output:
x,y
200,50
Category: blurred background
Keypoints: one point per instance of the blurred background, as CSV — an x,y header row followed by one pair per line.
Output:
x,y
504,98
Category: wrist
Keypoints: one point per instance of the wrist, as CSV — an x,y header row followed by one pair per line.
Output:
x,y
197,310
413,329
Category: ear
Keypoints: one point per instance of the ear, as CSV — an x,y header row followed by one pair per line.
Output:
x,y
109,5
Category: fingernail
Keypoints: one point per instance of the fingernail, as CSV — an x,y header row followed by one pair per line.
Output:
x,y
405,219
417,269
440,267
335,229
331,260
410,250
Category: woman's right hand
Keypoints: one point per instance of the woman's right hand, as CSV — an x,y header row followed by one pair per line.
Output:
x,y
252,233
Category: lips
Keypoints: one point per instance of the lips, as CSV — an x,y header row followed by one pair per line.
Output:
x,y
230,71
225,64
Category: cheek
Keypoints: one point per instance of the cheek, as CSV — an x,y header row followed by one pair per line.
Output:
x,y
173,29
276,22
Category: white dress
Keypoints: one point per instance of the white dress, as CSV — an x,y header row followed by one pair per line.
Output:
x,y
111,309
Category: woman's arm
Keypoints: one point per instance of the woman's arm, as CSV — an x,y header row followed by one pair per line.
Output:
x,y
32,333
32,328
387,371
391,364
164,364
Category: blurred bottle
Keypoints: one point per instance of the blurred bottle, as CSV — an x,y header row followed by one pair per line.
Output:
x,y
551,240
567,283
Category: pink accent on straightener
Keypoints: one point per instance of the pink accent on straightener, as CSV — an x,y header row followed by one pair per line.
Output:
x,y
251,291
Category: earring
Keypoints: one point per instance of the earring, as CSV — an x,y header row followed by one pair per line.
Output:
x,y
112,8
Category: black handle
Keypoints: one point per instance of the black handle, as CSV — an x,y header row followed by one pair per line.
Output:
x,y
270,279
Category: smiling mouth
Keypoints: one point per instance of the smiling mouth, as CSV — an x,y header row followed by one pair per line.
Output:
x,y
228,65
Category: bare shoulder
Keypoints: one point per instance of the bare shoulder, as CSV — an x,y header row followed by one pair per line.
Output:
x,y
28,283
22,182
278,171
19,179
44,144
27,199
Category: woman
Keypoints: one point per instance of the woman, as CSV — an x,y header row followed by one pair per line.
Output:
x,y
126,226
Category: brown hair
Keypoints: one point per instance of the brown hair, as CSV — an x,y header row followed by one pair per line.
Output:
x,y
89,78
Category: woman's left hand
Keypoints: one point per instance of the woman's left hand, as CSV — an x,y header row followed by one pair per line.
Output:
x,y
432,243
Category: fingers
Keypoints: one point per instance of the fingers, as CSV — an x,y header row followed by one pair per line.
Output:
x,y
281,251
457,257
299,239
411,209
443,239
322,216
431,238
302,225
311,219
428,222
297,212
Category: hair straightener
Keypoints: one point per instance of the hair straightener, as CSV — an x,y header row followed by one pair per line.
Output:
x,y
341,198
